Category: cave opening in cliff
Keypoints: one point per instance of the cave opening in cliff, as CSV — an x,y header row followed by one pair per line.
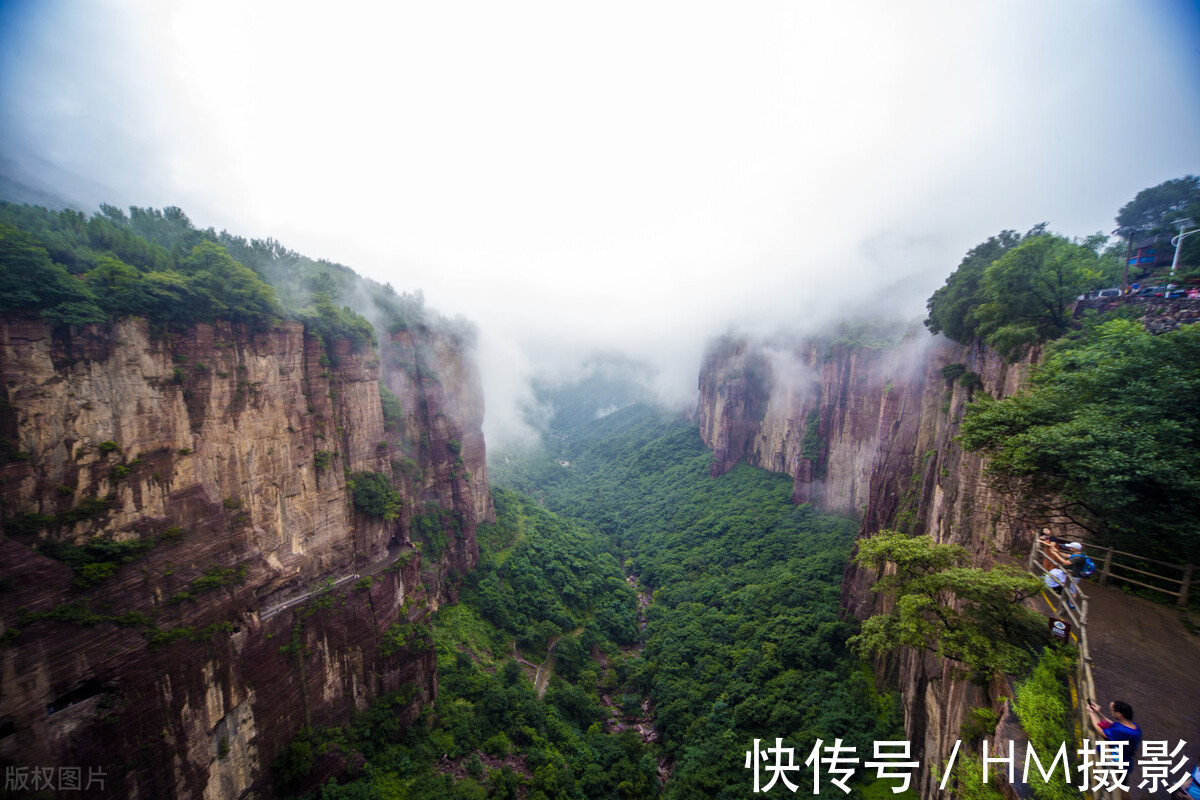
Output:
x,y
86,691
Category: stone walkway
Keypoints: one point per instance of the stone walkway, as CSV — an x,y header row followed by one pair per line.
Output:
x,y
1145,654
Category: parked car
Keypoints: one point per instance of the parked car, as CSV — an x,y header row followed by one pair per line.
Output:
x,y
1107,293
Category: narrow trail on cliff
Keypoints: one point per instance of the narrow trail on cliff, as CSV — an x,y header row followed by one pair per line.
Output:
x,y
394,555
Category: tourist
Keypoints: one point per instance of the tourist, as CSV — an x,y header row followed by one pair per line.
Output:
x,y
1120,728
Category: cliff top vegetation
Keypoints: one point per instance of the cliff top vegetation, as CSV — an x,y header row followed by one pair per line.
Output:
x,y
1107,436
1014,290
77,269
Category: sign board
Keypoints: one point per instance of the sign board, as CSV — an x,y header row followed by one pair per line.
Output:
x,y
1060,630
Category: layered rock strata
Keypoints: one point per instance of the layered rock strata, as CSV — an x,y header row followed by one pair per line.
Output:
x,y
872,432
185,582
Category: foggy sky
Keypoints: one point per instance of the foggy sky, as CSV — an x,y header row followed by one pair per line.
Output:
x,y
629,176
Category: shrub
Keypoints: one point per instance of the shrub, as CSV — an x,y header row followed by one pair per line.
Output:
x,y
979,724
109,446
498,745
810,444
951,372
407,468
393,412
374,495
1043,706
432,527
398,637
171,534
90,574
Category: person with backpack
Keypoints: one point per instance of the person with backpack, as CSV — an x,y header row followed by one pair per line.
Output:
x,y
1080,565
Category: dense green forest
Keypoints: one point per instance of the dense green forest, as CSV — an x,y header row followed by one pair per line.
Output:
x,y
542,581
1106,432
78,269
742,639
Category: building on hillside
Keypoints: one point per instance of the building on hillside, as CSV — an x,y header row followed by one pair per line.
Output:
x,y
1151,253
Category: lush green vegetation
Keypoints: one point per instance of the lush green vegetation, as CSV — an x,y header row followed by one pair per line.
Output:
x,y
1044,708
557,578
743,639
1155,211
374,495
541,579
1013,290
434,528
953,307
99,559
1027,292
203,284
78,269
969,615
1107,434
393,411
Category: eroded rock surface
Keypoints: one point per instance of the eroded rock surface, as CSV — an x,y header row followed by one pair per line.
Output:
x,y
251,598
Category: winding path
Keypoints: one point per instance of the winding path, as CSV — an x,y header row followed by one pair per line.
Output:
x,y
542,679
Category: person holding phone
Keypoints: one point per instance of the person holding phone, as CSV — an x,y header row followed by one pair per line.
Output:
x,y
1121,728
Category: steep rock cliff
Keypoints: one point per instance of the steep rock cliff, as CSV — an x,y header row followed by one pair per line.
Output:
x,y
241,597
823,413
871,432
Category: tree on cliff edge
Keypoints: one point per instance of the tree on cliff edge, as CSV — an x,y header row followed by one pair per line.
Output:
x,y
952,307
1154,210
1014,290
967,614
1029,290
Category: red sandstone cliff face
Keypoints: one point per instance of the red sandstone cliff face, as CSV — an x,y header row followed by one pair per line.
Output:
x,y
824,414
883,449
261,601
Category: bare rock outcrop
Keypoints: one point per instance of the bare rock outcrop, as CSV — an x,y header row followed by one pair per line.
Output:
x,y
236,596
871,431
